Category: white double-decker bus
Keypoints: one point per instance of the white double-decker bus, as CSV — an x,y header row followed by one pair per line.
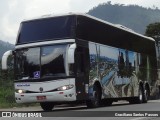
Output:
x,y
76,58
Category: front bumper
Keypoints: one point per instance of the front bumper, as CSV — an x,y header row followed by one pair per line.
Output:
x,y
58,96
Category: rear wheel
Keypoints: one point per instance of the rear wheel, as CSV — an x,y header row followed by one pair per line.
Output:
x,y
139,99
95,101
145,96
47,106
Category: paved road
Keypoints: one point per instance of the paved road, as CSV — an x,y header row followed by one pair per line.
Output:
x,y
82,111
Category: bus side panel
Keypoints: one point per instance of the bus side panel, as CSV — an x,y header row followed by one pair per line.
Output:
x,y
116,70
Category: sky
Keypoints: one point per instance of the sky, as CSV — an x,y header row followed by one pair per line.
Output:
x,y
12,12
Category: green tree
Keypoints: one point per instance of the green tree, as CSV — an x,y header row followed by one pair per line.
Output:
x,y
153,30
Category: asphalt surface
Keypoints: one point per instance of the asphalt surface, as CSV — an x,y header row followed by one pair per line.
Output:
x,y
118,111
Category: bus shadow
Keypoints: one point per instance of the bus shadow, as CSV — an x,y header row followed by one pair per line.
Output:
x,y
68,108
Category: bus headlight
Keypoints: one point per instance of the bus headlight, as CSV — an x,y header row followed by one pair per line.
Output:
x,y
65,87
20,91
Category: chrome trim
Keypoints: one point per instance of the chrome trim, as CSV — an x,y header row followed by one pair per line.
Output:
x,y
44,43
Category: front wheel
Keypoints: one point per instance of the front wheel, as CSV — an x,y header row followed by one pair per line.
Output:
x,y
95,101
47,106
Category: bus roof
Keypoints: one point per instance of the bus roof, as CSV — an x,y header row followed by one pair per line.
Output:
x,y
92,17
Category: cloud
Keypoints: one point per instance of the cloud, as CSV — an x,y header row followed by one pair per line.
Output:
x,y
14,11
84,5
10,18
42,7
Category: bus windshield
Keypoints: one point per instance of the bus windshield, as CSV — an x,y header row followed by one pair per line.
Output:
x,y
46,29
40,62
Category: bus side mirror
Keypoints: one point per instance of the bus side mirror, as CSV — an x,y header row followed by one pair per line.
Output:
x,y
71,52
5,58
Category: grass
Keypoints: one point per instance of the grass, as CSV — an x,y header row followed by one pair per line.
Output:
x,y
7,98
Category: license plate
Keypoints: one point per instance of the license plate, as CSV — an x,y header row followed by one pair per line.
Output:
x,y
41,97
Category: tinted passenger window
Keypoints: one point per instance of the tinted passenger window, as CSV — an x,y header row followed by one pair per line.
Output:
x,y
46,29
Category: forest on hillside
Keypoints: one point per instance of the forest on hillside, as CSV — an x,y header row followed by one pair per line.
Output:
x,y
132,16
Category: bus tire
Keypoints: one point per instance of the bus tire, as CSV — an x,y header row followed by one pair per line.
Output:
x,y
140,97
95,101
145,96
47,106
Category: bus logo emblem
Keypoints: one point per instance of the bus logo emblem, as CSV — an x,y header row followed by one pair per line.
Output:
x,y
41,89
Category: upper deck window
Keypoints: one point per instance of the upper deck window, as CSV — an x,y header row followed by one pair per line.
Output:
x,y
46,29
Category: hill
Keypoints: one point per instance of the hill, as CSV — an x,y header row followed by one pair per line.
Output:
x,y
4,46
132,16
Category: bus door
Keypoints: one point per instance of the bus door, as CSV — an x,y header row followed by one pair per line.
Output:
x,y
158,58
82,74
